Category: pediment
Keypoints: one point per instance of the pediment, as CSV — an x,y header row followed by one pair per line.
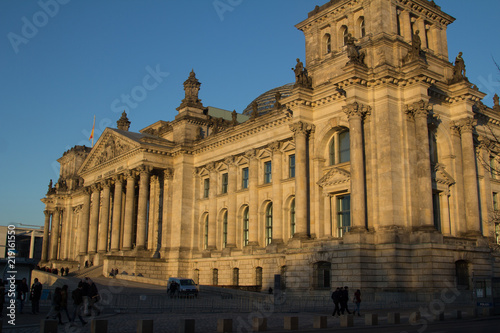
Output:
x,y
110,146
334,176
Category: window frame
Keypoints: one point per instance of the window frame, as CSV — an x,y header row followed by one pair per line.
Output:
x,y
224,229
246,226
206,188
342,227
291,166
269,224
268,172
244,177
224,182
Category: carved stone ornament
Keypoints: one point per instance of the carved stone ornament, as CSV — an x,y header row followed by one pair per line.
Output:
x,y
334,176
439,175
496,105
123,123
230,161
302,78
465,125
353,52
356,110
459,70
191,89
111,148
415,52
301,127
252,153
275,146
418,109
168,173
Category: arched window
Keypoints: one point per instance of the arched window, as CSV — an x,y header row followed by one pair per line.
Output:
x,y
236,276
245,227
322,275
344,32
339,148
205,235
215,277
362,29
292,218
258,276
269,223
328,43
462,273
224,230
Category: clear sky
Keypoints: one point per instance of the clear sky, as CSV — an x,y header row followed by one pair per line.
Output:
x,y
62,62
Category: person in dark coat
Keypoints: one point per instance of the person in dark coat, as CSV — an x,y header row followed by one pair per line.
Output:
x,y
22,294
85,296
36,293
357,301
93,297
336,300
344,299
77,296
55,310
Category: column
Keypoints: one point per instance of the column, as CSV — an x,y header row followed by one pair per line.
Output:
x,y
445,212
129,211
168,176
74,240
458,192
212,210
485,186
46,228
231,211
54,233
470,178
355,113
94,217
142,207
420,111
84,224
301,130
154,197
253,209
104,218
117,213
278,221
32,245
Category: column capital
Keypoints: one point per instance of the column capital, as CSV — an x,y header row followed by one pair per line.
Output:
x,y
145,169
77,209
130,174
485,144
464,125
301,127
168,173
275,147
356,110
153,179
87,190
95,187
251,154
106,183
58,210
118,178
418,109
47,213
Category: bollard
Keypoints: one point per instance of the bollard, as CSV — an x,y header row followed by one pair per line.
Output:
x,y
259,324
291,323
224,325
320,322
346,320
439,317
48,326
98,326
186,326
371,319
393,318
145,326
414,317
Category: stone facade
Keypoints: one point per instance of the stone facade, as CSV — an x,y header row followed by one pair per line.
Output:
x,y
376,171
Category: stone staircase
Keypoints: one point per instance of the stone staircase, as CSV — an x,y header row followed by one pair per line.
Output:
x,y
91,272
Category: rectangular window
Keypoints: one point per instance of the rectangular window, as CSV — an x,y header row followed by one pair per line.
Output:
x,y
268,172
291,166
436,208
206,187
244,178
343,214
493,170
224,183
497,233
495,201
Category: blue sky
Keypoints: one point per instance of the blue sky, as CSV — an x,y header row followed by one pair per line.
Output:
x,y
84,57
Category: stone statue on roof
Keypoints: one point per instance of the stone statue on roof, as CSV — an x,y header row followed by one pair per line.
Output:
x,y
416,48
459,69
496,105
353,53
302,78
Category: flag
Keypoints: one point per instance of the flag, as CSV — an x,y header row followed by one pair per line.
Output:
x,y
92,133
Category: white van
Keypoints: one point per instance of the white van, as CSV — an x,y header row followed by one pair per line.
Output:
x,y
181,287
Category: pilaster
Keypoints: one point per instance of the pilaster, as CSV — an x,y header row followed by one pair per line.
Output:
x,y
117,213
142,212
129,211
84,224
104,218
94,218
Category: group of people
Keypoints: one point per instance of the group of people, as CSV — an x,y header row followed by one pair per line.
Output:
x,y
85,297
340,299
114,272
63,271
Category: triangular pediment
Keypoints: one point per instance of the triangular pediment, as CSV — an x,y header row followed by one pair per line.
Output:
x,y
334,176
111,145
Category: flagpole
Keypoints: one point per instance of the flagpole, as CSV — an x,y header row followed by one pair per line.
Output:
x,y
92,133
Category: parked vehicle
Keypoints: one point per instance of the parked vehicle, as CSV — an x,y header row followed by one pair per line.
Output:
x,y
181,287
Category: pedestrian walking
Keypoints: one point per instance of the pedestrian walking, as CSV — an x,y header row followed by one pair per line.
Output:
x,y
336,300
64,301
93,297
357,301
85,296
36,293
78,303
55,309
344,299
22,293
